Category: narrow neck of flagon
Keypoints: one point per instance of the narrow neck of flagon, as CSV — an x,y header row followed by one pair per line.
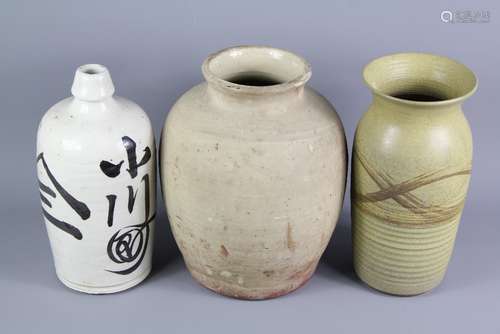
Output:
x,y
92,83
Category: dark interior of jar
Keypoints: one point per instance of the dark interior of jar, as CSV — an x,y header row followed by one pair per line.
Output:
x,y
254,78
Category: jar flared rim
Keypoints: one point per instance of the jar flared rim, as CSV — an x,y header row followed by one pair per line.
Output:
x,y
298,70
465,82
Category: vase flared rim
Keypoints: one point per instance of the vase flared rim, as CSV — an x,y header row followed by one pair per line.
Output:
x,y
446,71
292,70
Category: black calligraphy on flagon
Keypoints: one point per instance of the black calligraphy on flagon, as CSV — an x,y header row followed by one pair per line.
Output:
x,y
128,245
48,193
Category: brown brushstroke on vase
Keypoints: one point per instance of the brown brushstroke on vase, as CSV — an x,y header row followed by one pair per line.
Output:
x,y
420,212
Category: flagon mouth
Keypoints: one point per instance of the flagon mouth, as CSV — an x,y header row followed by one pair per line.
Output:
x,y
92,83
420,79
256,70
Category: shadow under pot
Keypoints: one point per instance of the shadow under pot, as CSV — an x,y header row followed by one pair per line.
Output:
x,y
253,165
411,166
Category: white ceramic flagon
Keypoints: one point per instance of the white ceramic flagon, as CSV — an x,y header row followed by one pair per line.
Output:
x,y
253,166
96,173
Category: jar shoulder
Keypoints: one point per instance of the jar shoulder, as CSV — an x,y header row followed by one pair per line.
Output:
x,y
303,114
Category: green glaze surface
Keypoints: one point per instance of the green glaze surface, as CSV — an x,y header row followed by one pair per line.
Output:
x,y
411,166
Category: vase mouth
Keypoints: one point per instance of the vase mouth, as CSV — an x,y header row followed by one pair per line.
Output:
x,y
256,70
420,79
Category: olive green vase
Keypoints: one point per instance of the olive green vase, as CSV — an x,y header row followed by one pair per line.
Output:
x,y
411,166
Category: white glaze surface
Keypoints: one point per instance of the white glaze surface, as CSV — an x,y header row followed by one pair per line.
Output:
x,y
74,138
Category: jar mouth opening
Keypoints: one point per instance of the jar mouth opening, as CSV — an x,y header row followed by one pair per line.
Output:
x,y
420,79
256,70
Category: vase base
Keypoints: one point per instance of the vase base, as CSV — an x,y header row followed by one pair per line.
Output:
x,y
97,290
238,292
398,259
402,290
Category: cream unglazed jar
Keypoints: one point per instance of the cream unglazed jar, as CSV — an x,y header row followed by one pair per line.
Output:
x,y
253,166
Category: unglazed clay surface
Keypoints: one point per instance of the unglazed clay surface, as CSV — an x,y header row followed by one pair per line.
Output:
x,y
96,172
411,166
253,176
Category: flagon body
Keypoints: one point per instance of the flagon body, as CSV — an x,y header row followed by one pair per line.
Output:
x,y
96,173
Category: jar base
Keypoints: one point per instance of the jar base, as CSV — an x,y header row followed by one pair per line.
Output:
x,y
98,290
238,292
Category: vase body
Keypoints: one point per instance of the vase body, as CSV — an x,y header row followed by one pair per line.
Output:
x,y
96,173
411,166
253,166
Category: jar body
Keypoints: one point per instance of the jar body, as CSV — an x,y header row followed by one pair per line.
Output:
x,y
410,174
96,172
253,187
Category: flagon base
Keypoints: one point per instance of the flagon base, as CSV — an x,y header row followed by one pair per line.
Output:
x,y
238,292
97,290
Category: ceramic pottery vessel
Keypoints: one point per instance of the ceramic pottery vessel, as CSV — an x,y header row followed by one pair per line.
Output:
x,y
253,166
411,166
96,173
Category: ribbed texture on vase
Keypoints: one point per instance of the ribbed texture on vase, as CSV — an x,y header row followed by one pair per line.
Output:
x,y
401,260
